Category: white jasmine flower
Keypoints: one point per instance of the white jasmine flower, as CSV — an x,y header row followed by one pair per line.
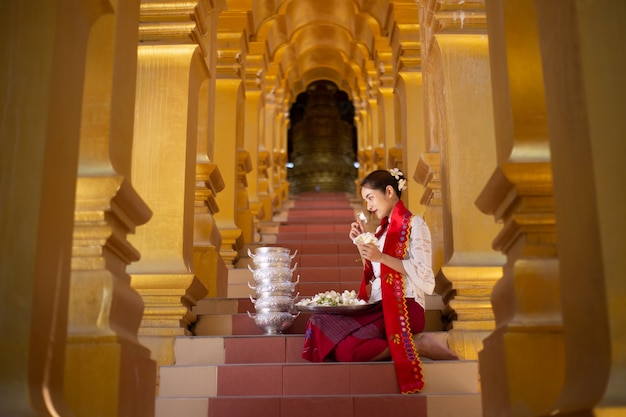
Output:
x,y
365,238
332,299
396,173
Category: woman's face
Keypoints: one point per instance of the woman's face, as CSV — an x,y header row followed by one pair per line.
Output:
x,y
378,202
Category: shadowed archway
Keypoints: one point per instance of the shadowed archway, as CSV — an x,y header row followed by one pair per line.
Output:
x,y
322,140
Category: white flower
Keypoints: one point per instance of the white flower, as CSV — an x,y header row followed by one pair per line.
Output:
x,y
332,298
362,217
396,173
365,238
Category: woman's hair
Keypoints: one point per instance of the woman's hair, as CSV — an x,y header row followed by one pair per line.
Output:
x,y
380,179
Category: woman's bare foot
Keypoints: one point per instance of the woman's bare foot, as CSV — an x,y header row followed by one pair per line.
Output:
x,y
428,346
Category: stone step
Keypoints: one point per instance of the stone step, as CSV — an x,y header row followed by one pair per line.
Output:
x,y
318,228
230,368
318,216
241,324
224,317
229,350
328,378
287,237
397,405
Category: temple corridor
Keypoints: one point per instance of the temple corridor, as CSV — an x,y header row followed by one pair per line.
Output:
x,y
147,145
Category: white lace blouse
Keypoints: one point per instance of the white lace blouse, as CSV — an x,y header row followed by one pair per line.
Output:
x,y
419,279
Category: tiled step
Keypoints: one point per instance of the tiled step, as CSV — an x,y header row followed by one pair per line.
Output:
x,y
241,324
319,228
219,376
328,378
321,216
285,238
397,405
224,317
231,369
316,247
237,350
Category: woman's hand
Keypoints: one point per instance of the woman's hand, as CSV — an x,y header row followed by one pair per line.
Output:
x,y
370,252
356,228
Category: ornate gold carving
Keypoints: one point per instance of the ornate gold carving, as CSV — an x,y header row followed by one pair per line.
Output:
x,y
428,173
104,311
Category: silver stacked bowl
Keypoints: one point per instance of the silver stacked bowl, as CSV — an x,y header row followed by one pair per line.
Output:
x,y
274,303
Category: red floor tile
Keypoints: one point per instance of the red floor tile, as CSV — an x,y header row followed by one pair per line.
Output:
x,y
318,274
254,349
244,407
293,347
374,378
317,379
324,260
326,406
391,406
249,380
309,289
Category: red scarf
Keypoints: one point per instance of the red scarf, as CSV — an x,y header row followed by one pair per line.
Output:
x,y
399,336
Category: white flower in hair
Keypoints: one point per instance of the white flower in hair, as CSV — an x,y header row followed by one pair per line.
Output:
x,y
396,173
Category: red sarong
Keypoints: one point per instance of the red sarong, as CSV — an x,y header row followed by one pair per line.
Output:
x,y
355,338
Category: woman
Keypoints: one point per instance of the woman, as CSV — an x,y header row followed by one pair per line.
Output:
x,y
398,267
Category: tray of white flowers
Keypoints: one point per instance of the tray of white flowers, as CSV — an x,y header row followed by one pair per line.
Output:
x,y
333,302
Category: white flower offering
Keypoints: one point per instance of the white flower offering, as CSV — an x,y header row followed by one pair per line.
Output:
x,y
365,238
333,298
362,217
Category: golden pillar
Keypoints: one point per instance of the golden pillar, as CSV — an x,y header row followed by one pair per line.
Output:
x,y
365,119
244,217
587,130
273,193
522,361
267,198
208,265
408,100
280,153
386,157
267,192
386,132
44,49
364,139
254,137
460,120
229,117
172,71
107,370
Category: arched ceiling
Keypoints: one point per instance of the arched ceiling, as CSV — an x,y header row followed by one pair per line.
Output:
x,y
293,43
